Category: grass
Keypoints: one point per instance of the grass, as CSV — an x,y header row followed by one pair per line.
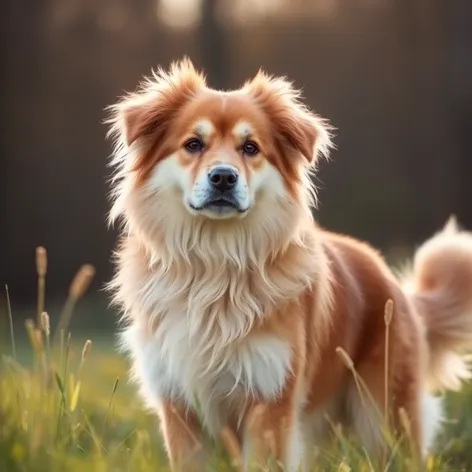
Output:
x,y
66,405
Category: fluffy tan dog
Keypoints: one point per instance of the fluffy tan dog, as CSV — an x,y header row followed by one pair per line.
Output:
x,y
235,301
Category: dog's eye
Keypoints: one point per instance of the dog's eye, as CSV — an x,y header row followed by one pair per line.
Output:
x,y
250,148
194,145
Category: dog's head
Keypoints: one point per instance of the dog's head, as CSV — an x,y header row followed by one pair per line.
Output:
x,y
191,152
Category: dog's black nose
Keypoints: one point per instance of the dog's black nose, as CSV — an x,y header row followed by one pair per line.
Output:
x,y
223,178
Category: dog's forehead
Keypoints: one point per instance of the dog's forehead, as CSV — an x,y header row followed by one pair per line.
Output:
x,y
225,114
239,129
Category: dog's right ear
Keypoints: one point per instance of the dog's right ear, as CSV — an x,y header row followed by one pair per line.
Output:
x,y
149,110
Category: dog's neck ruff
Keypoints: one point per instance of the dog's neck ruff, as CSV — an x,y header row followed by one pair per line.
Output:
x,y
223,278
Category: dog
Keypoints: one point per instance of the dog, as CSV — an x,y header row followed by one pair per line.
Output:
x,y
240,312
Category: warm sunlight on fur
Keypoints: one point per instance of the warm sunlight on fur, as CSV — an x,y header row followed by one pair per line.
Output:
x,y
235,301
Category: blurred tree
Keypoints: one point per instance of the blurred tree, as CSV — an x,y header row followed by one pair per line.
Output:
x,y
214,51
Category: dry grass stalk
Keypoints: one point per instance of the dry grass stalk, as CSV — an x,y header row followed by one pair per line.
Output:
x,y
41,261
388,312
405,422
360,385
349,363
41,269
388,315
364,391
345,358
46,328
10,322
77,289
81,282
39,347
77,386
38,334
115,386
86,349
45,323
29,324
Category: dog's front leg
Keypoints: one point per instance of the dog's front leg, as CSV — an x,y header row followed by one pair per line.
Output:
x,y
273,433
182,437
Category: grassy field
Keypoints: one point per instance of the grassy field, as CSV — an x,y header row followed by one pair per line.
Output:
x,y
66,405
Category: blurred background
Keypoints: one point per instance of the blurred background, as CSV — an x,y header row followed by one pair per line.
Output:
x,y
393,76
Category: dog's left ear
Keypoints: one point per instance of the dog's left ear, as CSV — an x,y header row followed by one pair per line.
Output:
x,y
296,126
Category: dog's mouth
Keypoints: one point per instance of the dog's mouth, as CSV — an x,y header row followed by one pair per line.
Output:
x,y
220,204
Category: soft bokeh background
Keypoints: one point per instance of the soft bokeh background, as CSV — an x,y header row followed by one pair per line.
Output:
x,y
394,77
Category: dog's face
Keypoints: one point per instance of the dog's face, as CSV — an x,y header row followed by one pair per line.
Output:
x,y
219,160
217,155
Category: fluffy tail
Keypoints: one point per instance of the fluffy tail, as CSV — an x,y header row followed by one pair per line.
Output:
x,y
440,286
